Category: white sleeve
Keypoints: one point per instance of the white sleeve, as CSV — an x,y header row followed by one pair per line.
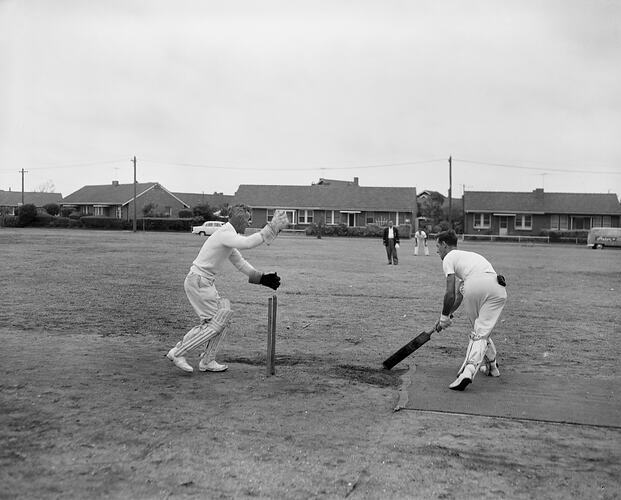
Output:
x,y
243,265
233,240
448,266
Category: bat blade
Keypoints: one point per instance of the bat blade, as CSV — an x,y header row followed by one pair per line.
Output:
x,y
407,349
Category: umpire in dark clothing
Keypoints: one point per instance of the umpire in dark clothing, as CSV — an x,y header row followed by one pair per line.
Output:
x,y
391,242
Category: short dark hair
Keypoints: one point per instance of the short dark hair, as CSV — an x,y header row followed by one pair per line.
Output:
x,y
239,210
449,237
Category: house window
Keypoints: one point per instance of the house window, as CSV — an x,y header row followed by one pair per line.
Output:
x,y
305,216
554,222
481,221
558,222
330,218
564,222
523,222
290,215
601,221
99,210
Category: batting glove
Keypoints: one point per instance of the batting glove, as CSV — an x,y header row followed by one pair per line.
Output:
x,y
271,280
444,322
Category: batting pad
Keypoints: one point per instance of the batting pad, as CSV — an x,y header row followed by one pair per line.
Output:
x,y
520,395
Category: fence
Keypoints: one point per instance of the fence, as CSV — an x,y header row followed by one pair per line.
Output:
x,y
506,237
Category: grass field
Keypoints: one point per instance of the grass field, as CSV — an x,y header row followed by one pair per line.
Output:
x,y
92,409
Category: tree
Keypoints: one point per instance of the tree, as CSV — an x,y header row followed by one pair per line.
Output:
x,y
46,187
52,208
26,214
225,210
147,210
203,211
430,207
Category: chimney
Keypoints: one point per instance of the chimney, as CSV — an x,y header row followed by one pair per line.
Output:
x,y
355,181
538,192
115,183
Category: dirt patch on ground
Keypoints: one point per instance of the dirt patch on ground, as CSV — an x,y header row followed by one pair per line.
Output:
x,y
88,417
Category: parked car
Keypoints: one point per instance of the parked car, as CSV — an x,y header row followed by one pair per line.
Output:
x,y
600,237
207,228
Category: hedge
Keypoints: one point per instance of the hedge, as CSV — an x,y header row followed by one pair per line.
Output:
x,y
368,231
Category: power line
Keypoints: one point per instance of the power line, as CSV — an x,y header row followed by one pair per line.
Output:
x,y
321,168
72,165
290,169
544,169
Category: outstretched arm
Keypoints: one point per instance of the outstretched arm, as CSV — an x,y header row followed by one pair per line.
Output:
x,y
271,280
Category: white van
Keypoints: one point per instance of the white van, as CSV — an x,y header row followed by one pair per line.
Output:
x,y
600,237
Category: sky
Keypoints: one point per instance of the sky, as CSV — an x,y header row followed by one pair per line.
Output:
x,y
208,95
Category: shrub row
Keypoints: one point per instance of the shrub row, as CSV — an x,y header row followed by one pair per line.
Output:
x,y
560,235
368,231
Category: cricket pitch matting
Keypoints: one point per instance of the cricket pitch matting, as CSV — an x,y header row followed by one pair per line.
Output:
x,y
575,399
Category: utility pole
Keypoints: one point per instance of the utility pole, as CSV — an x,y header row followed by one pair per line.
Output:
x,y
23,172
450,193
134,194
463,207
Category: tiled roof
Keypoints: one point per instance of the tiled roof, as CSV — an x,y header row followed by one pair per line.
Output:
x,y
540,202
329,197
14,198
214,200
109,194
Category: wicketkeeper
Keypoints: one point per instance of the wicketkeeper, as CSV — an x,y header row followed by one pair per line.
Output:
x,y
483,294
215,312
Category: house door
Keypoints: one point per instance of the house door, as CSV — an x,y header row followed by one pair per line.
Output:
x,y
351,220
504,225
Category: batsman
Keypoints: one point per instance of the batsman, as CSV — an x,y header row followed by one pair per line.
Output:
x,y
213,311
471,280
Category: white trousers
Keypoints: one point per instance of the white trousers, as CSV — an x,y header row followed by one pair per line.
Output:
x,y
422,247
213,311
483,302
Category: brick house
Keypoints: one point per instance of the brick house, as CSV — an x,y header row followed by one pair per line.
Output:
x,y
330,202
513,213
117,200
10,200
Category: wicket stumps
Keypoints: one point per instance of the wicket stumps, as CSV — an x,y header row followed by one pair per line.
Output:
x,y
272,309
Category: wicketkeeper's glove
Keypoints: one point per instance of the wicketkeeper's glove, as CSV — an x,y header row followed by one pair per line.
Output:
x,y
271,280
273,227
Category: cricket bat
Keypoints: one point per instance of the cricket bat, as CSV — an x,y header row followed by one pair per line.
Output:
x,y
408,349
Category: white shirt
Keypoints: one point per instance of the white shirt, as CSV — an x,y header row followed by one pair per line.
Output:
x,y
465,264
391,234
420,235
221,246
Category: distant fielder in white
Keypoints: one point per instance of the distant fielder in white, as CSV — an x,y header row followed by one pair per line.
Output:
x,y
213,311
483,294
420,238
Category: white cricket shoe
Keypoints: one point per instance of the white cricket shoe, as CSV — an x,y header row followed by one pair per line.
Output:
x,y
179,361
464,379
211,366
